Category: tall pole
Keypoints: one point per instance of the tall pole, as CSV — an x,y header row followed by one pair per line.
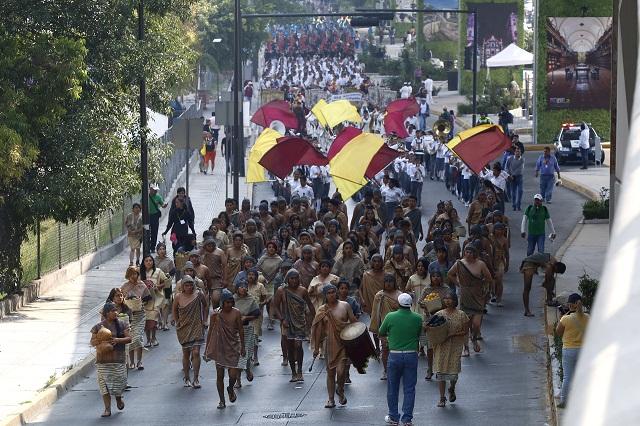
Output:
x,y
420,31
144,160
237,72
475,67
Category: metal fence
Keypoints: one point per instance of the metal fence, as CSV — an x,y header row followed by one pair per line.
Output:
x,y
52,244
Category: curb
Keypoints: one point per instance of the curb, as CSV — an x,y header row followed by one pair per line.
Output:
x,y
580,189
51,394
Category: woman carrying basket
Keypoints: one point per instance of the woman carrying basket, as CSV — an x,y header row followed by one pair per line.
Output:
x,y
447,354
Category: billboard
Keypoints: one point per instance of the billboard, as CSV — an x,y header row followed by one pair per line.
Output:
x,y
497,28
578,62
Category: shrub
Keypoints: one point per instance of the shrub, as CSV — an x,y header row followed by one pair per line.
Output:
x,y
588,287
597,209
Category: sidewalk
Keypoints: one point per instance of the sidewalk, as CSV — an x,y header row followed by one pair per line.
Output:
x,y
60,320
583,252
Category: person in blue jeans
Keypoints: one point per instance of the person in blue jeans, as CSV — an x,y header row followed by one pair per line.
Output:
x,y
534,221
515,169
546,166
402,329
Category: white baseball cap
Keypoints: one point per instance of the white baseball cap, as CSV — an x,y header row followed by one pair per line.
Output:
x,y
405,300
538,197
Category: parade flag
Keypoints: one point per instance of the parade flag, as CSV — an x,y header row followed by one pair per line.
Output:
x,y
275,110
266,140
317,111
394,123
339,111
291,151
479,145
383,157
397,112
350,158
408,107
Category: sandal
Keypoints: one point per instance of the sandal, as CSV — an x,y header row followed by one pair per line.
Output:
x,y
342,399
221,405
476,346
147,345
452,395
294,378
238,385
120,404
155,343
429,374
106,414
330,404
443,402
465,352
249,375
187,382
196,384
300,378
232,394
140,366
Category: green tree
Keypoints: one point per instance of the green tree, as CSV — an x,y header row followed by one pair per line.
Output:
x,y
69,73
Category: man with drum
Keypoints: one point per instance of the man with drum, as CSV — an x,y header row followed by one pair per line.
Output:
x,y
329,321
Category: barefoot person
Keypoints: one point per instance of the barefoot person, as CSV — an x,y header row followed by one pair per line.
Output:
x,y
529,268
328,322
248,306
289,307
446,361
402,330
189,313
473,278
110,361
385,301
136,295
225,344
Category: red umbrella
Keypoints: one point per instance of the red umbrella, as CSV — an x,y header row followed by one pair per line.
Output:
x,y
383,157
394,123
275,110
291,151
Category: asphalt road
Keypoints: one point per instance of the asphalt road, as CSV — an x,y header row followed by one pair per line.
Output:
x,y
504,385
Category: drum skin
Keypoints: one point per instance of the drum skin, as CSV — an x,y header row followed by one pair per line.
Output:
x,y
358,345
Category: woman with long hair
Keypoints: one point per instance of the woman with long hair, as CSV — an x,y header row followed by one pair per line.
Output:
x,y
136,296
156,281
166,265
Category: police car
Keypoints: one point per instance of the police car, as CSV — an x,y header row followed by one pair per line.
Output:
x,y
568,144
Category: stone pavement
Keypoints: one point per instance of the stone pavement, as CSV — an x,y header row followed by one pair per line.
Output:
x,y
51,335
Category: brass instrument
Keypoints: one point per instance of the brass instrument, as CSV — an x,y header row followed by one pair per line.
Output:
x,y
441,129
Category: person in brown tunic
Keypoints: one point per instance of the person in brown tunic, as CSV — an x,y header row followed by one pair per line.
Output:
x,y
372,283
289,307
500,244
189,314
329,321
253,239
399,267
473,278
110,357
385,301
306,266
215,259
235,254
225,344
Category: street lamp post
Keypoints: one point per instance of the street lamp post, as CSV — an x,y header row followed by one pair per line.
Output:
x,y
144,158
237,129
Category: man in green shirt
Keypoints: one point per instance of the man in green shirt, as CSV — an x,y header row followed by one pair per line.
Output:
x,y
533,225
402,329
155,203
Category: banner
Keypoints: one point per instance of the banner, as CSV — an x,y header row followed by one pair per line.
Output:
x,y
349,96
497,28
578,62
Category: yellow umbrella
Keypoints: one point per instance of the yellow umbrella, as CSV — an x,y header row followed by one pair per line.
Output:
x,y
339,111
266,140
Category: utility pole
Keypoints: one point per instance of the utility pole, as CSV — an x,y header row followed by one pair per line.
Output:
x,y
144,153
237,145
475,68
420,31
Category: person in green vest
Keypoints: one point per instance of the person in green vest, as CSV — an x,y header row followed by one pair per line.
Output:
x,y
156,202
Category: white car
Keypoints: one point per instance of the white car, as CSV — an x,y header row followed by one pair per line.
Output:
x,y
567,144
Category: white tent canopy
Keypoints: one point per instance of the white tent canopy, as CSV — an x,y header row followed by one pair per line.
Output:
x,y
510,56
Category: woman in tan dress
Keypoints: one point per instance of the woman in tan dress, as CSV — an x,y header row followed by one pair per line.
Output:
x,y
235,254
136,296
446,360
156,281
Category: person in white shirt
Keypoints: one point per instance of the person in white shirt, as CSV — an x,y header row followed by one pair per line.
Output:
x,y
466,184
423,113
417,174
584,145
405,91
441,152
392,198
303,190
428,86
498,178
418,146
430,156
